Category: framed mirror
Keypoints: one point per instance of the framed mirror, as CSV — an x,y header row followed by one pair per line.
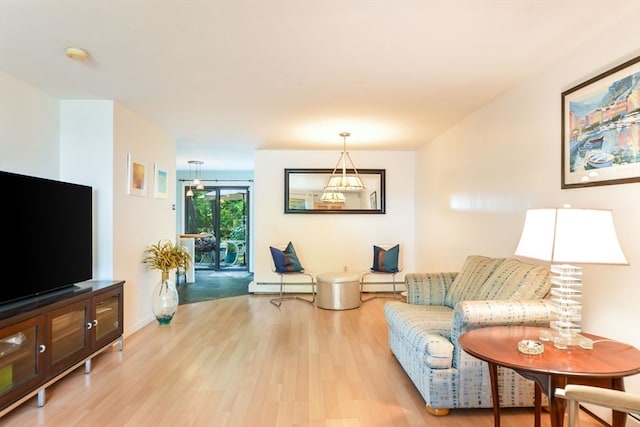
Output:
x,y
303,188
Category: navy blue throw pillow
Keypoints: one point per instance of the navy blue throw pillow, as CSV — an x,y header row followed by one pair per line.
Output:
x,y
286,261
385,261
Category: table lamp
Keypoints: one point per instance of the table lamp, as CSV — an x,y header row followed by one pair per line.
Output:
x,y
567,236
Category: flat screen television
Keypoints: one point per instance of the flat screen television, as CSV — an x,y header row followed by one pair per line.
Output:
x,y
47,234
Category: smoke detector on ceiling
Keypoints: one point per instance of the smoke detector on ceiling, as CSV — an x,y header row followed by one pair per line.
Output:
x,y
76,53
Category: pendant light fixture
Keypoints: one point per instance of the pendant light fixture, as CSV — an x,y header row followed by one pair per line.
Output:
x,y
190,191
340,182
197,182
332,197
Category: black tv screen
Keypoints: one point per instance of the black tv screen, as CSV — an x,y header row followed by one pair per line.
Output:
x,y
47,231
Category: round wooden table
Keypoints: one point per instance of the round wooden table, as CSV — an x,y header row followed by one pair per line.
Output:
x,y
605,365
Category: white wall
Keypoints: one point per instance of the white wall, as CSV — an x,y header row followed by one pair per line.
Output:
x,y
86,157
475,182
28,129
96,136
329,242
139,221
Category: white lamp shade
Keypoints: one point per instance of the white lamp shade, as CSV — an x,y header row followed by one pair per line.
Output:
x,y
572,236
342,183
332,197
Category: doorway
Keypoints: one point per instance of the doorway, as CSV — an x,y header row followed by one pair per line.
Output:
x,y
220,214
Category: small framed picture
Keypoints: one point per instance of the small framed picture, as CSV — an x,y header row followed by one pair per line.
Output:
x,y
160,182
373,200
136,177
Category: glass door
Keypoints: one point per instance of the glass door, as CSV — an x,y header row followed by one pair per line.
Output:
x,y
220,214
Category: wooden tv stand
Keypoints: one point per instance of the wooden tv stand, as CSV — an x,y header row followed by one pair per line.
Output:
x,y
44,338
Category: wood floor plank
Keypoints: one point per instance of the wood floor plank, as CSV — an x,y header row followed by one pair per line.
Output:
x,y
240,361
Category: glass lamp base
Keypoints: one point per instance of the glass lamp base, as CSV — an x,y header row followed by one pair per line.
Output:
x,y
563,341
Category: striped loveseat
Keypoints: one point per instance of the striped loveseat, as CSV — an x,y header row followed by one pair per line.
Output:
x,y
424,331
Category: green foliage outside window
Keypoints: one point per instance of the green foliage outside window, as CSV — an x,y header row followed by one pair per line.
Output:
x,y
200,217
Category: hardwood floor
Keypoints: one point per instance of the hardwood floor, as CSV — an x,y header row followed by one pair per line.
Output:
x,y
241,361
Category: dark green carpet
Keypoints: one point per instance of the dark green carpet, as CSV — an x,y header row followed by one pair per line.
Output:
x,y
215,285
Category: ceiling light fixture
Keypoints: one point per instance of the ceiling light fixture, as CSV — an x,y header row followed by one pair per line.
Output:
x,y
339,181
197,182
76,53
332,197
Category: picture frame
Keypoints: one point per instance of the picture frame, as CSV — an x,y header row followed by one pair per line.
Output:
x,y
601,129
136,177
160,182
373,200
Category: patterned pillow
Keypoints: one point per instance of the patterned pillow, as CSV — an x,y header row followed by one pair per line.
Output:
x,y
286,261
517,280
475,271
385,260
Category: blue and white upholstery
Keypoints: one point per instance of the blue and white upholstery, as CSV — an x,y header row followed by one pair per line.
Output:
x,y
424,331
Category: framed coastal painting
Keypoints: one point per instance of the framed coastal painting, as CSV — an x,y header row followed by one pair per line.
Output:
x,y
160,182
601,129
136,176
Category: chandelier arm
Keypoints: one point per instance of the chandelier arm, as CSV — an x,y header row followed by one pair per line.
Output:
x,y
342,182
335,169
344,150
352,165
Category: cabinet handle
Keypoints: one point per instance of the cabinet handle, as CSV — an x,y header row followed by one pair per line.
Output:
x,y
42,348
89,325
95,322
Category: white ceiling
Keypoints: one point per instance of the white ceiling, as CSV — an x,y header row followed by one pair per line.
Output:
x,y
227,77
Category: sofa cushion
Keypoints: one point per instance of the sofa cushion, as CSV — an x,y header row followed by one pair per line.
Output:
x,y
475,271
516,280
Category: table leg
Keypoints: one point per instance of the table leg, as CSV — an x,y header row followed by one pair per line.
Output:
x,y
495,395
619,419
557,406
537,401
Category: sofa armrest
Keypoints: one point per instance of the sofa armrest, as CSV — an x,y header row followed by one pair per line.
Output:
x,y
469,315
428,288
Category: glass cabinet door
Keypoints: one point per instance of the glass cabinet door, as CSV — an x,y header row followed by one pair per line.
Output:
x,y
20,363
108,316
68,335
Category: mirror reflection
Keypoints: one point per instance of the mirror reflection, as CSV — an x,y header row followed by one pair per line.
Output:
x,y
304,189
